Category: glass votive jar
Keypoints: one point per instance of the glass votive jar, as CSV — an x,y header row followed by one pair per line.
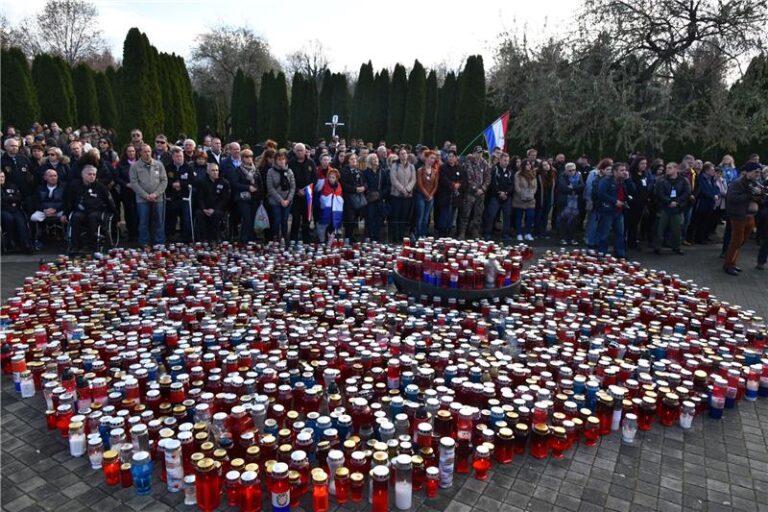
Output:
x,y
558,441
521,438
433,481
646,413
504,445
126,477
540,441
110,465
481,462
356,481
591,430
670,409
629,428
687,413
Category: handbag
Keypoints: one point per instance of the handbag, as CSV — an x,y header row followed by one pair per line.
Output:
x,y
261,220
374,196
358,200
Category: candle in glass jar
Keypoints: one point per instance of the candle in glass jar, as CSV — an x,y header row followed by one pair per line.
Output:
x,y
447,454
481,462
320,490
111,466
380,477
591,431
281,490
356,484
433,481
403,482
76,439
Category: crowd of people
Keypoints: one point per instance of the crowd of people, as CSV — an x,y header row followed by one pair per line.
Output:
x,y
161,190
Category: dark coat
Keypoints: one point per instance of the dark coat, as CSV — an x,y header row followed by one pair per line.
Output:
x,y
564,189
87,198
43,202
502,180
448,176
663,193
213,194
705,192
608,193
19,172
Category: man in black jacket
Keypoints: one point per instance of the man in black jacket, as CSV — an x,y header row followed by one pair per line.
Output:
x,y
452,186
86,200
304,173
500,198
177,195
48,202
18,168
213,197
671,194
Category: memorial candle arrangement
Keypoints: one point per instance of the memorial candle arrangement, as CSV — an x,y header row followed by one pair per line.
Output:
x,y
294,374
463,265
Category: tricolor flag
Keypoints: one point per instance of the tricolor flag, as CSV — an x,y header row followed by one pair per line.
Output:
x,y
308,196
496,134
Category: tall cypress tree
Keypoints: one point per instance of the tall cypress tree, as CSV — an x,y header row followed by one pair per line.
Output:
x,y
207,115
186,96
51,87
396,114
266,104
237,113
170,97
470,111
311,109
415,99
69,88
155,94
325,102
140,94
20,107
430,110
251,108
85,95
106,100
278,123
297,107
363,106
340,98
447,96
381,100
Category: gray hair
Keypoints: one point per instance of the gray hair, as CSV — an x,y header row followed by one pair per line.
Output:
x,y
570,166
8,141
298,146
88,168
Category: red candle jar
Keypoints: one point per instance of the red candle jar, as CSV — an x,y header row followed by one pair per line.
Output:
x,y
380,489
250,492
670,410
591,430
521,438
419,472
356,481
207,486
504,445
463,452
481,462
558,442
540,441
126,478
110,465
646,413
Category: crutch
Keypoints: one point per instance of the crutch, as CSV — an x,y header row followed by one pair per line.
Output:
x,y
188,199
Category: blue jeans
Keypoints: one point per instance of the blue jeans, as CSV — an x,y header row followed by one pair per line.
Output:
x,y
445,219
607,221
279,220
145,211
489,216
15,223
591,234
530,219
423,209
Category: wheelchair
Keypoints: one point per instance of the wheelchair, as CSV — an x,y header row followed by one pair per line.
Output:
x,y
49,230
107,233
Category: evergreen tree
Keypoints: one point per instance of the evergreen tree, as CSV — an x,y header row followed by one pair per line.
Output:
x,y
297,107
430,110
396,114
749,98
310,112
325,102
445,123
207,115
470,111
140,95
363,106
381,105
52,96
278,123
340,98
251,107
170,97
106,100
85,95
155,95
69,88
186,97
19,102
266,104
415,99
238,115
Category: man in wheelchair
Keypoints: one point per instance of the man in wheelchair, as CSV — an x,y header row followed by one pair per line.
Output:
x,y
88,202
48,203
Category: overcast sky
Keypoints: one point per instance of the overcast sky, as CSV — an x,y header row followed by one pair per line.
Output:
x,y
386,32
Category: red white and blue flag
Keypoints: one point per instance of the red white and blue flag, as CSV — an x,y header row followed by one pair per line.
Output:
x,y
496,134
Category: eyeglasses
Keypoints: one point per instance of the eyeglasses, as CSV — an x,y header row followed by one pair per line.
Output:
x,y
135,135
52,154
159,142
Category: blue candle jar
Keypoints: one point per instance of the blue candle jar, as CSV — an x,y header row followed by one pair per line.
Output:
x,y
141,471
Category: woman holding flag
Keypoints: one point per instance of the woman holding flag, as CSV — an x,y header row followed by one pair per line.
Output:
x,y
330,199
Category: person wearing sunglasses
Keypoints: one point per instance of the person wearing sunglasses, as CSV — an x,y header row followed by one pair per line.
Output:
x,y
162,151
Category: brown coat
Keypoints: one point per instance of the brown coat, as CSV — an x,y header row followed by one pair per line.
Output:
x,y
524,195
427,186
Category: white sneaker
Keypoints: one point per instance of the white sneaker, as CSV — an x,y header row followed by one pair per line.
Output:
x,y
529,237
519,238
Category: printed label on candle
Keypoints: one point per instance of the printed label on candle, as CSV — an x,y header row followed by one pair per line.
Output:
x,y
281,501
